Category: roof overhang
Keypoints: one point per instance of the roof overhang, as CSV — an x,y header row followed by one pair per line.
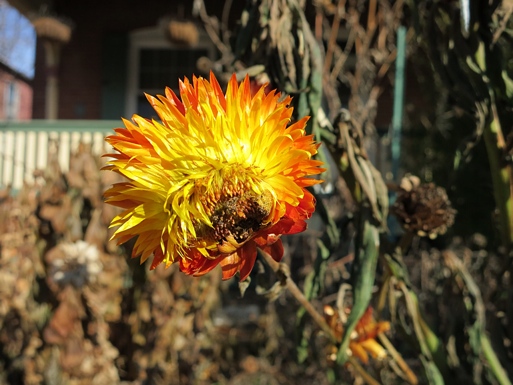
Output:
x,y
30,7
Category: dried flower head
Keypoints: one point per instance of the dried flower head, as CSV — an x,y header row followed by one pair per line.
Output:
x,y
218,176
75,263
363,340
423,209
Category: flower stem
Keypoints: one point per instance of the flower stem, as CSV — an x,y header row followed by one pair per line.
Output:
x,y
405,241
283,274
412,378
362,372
493,361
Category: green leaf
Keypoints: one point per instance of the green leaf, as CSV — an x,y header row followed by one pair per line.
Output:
x,y
432,373
314,283
243,286
508,84
363,274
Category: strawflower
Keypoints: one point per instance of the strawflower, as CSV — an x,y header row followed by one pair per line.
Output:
x,y
217,176
363,340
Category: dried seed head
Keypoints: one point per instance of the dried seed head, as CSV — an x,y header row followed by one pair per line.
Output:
x,y
424,209
75,263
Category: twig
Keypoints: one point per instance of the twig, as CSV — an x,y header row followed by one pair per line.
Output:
x,y
377,88
371,16
298,294
361,371
209,27
405,242
342,56
498,32
224,21
333,37
359,168
412,378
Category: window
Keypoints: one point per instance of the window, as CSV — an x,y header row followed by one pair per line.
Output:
x,y
11,101
159,68
155,63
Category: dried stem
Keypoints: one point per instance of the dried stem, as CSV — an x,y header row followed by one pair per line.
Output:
x,y
361,371
333,37
282,271
504,23
342,56
211,29
405,242
412,378
224,21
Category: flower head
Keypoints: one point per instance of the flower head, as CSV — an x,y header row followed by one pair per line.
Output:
x,y
75,263
363,340
216,177
424,209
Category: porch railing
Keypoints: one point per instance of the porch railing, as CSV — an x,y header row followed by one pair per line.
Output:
x,y
25,146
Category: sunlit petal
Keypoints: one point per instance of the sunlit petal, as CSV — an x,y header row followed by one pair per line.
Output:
x,y
217,176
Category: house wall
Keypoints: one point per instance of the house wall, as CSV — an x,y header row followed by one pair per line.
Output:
x,y
23,96
83,84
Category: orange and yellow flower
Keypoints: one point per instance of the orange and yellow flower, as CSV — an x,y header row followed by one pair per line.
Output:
x,y
217,176
363,340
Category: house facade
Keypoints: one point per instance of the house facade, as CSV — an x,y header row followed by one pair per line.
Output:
x,y
97,59
118,50
15,95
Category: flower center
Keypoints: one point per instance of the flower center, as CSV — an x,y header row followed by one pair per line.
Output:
x,y
236,216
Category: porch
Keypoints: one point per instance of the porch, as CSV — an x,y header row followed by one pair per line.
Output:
x,y
26,146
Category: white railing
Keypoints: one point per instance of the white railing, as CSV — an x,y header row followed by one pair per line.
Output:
x,y
25,146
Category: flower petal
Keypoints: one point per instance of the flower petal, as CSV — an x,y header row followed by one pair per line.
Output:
x,y
218,175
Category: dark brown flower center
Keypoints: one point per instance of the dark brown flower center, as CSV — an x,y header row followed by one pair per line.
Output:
x,y
238,216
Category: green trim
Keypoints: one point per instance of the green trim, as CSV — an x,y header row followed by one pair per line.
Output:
x,y
397,117
61,125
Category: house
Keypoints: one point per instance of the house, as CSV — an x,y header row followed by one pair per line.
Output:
x,y
115,51
96,59
15,95
94,62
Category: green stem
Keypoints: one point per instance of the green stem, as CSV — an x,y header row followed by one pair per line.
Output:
x,y
430,345
492,359
502,174
501,179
